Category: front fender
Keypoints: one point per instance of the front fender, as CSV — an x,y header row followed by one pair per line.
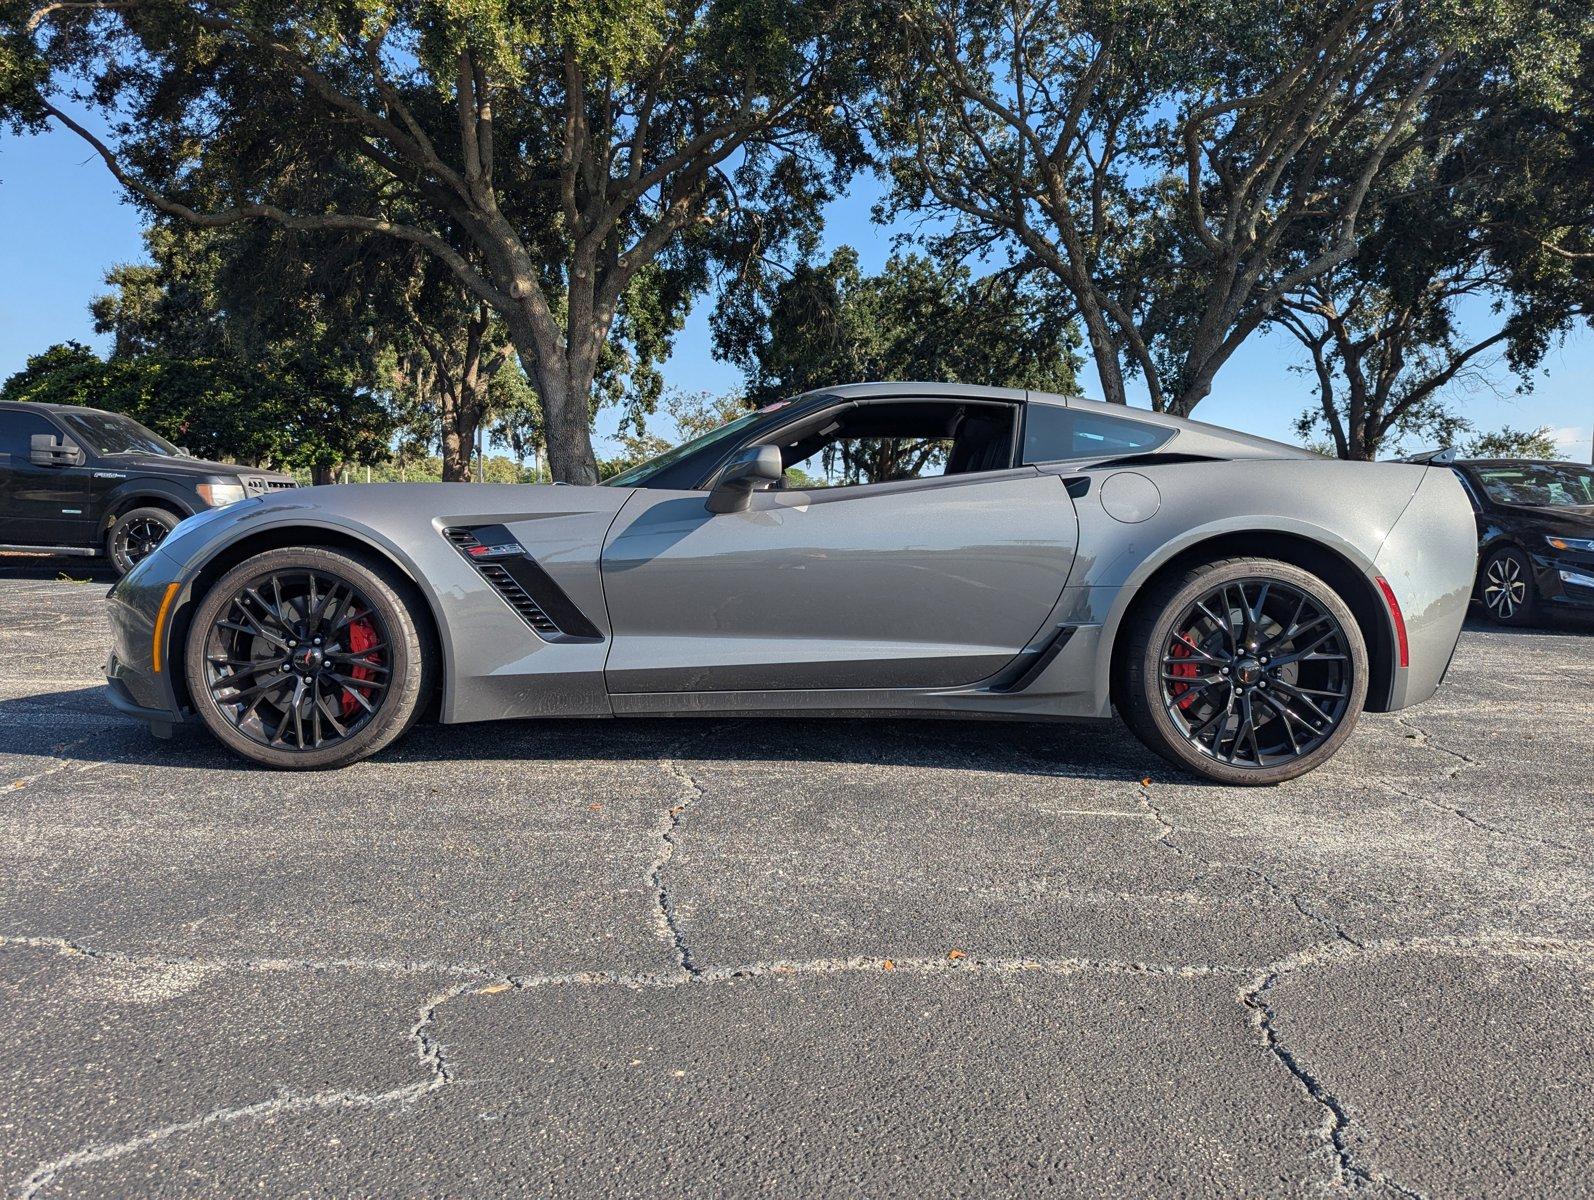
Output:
x,y
493,664
158,492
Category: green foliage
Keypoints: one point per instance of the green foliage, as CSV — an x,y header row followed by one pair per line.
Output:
x,y
1180,169
428,468
828,324
579,166
1513,443
1489,212
215,408
692,413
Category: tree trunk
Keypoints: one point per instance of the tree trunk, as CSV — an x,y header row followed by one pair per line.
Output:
x,y
322,473
565,400
456,454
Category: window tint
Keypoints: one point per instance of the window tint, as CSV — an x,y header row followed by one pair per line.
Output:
x,y
1540,485
112,433
17,430
1051,433
885,443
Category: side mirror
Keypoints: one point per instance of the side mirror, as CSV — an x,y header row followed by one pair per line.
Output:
x,y
752,470
46,451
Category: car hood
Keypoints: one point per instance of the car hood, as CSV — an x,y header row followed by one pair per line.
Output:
x,y
1576,521
165,464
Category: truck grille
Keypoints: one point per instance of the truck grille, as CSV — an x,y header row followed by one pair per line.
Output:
x,y
259,485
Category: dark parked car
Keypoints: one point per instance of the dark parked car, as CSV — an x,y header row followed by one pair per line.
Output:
x,y
1535,535
82,481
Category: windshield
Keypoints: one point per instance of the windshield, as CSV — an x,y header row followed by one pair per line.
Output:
x,y
1542,485
639,476
108,433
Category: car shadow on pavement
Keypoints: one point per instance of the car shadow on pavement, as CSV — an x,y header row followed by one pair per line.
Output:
x,y
81,726
37,567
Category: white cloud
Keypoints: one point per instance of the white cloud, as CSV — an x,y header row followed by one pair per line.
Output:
x,y
1572,442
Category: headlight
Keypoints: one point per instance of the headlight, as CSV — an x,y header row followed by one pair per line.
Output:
x,y
218,495
1564,543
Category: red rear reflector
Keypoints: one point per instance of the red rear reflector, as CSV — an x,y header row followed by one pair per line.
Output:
x,y
1400,621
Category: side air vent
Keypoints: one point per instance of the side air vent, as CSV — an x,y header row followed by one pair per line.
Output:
x,y
524,585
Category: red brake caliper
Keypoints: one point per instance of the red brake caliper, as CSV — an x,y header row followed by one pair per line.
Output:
x,y
362,636
1186,669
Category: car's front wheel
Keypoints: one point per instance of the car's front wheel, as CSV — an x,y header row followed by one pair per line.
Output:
x,y
1505,585
1246,671
307,658
135,535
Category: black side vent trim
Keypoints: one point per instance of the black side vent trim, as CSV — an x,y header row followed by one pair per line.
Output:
x,y
520,579
1025,671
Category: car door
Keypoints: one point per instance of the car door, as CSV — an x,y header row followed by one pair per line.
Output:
x,y
39,505
921,583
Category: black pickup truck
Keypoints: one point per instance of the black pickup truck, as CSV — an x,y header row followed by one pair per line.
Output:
x,y
86,482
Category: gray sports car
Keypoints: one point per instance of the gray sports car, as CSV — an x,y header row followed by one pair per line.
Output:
x,y
866,550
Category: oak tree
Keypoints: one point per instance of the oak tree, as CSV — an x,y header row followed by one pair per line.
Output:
x,y
550,155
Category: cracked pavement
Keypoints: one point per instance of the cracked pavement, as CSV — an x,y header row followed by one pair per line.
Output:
x,y
781,957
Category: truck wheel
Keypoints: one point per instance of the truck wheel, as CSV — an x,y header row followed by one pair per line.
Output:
x,y
134,535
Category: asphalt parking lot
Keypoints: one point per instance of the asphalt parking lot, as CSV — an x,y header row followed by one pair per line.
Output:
x,y
804,957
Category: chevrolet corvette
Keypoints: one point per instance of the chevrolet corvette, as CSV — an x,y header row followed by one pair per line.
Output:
x,y
874,549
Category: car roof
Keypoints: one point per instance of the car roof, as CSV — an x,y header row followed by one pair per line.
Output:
x,y
46,406
1199,437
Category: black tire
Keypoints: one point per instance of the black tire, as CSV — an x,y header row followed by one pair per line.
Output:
x,y
233,630
1302,698
1506,588
134,535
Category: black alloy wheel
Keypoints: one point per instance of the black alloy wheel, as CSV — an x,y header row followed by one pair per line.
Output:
x,y
1250,672
1506,587
298,659
136,535
306,658
1256,672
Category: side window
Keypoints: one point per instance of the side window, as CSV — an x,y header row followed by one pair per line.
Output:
x,y
1052,433
17,430
885,443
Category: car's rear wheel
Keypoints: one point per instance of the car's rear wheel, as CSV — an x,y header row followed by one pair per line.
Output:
x,y
1505,585
307,658
135,535
1246,671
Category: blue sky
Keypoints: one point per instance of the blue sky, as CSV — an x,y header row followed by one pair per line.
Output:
x,y
63,223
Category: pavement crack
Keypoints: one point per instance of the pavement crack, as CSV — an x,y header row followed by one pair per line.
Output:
x,y
428,1050
1350,1174
688,793
1297,900
1165,838
1294,898
1335,1129
1477,822
1423,738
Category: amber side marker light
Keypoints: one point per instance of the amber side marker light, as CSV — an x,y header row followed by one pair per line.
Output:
x,y
160,626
